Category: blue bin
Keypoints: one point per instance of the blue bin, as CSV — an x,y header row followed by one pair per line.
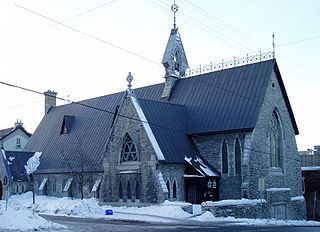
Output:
x,y
109,212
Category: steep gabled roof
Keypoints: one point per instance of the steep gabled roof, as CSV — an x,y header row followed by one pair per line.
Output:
x,y
168,123
226,100
6,132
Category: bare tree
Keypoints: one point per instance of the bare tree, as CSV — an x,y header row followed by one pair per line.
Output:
x,y
78,162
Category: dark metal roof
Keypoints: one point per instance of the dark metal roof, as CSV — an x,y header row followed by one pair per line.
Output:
x,y
226,100
16,162
168,124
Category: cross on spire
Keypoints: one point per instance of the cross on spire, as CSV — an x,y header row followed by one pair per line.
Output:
x,y
174,8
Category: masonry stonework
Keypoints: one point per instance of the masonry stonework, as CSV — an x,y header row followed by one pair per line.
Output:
x,y
210,148
141,175
279,179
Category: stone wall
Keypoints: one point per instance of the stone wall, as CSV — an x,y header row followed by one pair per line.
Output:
x,y
174,173
288,176
210,147
143,172
258,209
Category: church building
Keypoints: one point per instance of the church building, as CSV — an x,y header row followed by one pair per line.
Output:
x,y
226,134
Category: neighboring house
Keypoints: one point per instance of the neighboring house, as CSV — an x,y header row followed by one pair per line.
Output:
x,y
212,136
310,166
13,175
14,138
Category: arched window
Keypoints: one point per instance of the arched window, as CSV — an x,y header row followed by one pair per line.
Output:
x,y
224,157
129,151
275,141
174,190
168,187
129,194
137,190
120,190
237,156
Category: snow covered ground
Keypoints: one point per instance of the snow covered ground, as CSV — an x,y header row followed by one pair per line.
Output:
x,y
23,215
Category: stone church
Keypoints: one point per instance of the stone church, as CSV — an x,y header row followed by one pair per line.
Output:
x,y
226,134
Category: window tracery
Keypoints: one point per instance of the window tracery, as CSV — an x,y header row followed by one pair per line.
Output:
x,y
129,151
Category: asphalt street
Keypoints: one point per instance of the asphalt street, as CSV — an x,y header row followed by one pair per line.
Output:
x,y
97,225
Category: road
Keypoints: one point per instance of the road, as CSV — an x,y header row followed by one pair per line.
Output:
x,y
97,225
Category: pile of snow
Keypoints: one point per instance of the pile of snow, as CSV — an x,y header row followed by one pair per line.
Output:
x,y
21,220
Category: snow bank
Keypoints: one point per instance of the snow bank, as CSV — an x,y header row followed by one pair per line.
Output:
x,y
22,214
24,220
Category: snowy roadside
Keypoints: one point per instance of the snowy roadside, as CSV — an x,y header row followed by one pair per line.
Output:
x,y
23,215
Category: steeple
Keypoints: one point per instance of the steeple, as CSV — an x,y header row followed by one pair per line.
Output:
x,y
174,59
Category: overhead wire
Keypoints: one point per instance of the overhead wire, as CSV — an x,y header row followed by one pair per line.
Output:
x,y
81,33
62,21
128,117
90,36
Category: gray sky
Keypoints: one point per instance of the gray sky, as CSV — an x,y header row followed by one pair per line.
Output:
x,y
83,49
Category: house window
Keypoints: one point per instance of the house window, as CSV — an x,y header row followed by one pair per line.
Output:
x,y
224,157
174,190
120,190
237,154
129,151
129,194
275,141
18,143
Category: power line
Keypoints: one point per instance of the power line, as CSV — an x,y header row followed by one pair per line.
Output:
x,y
90,36
65,20
299,41
129,117
76,31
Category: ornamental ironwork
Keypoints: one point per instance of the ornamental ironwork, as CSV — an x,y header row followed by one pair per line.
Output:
x,y
226,64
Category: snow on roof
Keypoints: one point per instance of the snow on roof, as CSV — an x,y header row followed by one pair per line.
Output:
x,y
233,202
147,128
200,166
162,183
96,185
298,198
43,183
278,189
67,186
311,168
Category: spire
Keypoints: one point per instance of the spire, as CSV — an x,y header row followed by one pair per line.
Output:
x,y
174,59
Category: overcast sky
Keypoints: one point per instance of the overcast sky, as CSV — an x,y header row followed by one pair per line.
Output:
x,y
83,49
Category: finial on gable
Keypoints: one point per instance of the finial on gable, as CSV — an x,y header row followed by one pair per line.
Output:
x,y
129,80
273,46
174,9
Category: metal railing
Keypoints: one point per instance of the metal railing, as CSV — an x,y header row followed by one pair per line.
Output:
x,y
235,62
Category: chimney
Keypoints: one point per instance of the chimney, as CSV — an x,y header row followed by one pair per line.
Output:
x,y
50,100
18,123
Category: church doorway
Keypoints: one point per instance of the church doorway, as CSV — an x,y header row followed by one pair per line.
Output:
x,y
1,190
199,189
